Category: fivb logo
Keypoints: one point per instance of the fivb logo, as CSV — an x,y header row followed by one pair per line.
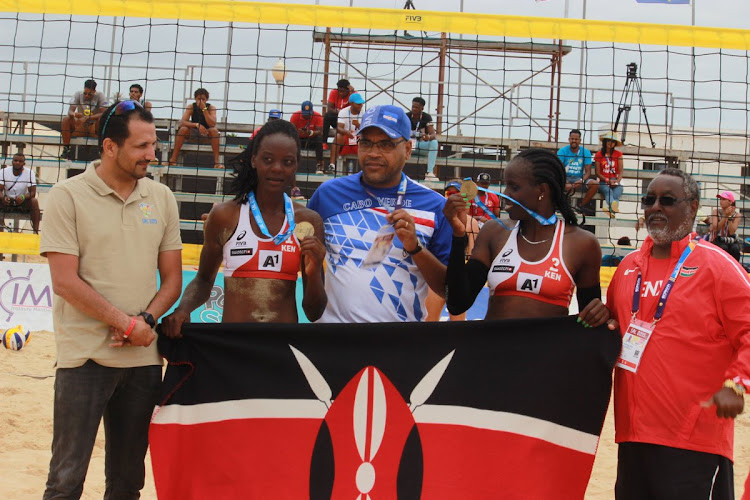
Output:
x,y
413,19
18,293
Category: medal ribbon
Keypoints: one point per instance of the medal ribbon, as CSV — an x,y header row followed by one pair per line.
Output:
x,y
288,209
549,221
400,194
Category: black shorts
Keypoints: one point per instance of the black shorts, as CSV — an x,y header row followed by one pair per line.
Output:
x,y
653,472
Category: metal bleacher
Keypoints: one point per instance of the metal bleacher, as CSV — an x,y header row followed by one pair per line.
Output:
x,y
197,184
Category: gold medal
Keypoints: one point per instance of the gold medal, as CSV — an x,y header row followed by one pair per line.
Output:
x,y
469,188
303,230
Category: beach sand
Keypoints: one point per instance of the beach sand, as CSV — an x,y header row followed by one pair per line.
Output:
x,y
26,392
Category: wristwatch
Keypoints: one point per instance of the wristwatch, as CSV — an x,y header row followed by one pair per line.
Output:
x,y
738,389
415,251
149,318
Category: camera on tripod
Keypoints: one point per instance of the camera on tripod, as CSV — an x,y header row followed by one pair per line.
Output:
x,y
632,81
632,70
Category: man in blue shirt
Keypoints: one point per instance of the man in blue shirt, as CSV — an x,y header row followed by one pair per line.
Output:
x,y
387,240
577,162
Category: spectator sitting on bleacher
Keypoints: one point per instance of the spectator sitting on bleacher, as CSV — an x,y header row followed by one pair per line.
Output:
x,y
490,200
723,225
609,171
274,114
346,133
577,162
136,94
423,136
338,99
198,121
83,115
18,190
309,124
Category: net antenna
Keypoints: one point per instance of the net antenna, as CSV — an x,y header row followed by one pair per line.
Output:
x,y
632,82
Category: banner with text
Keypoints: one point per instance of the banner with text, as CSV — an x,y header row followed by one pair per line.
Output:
x,y
25,296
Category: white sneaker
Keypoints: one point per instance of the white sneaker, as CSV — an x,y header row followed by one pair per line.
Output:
x,y
429,176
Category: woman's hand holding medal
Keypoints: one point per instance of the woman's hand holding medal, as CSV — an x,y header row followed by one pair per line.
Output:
x,y
457,205
311,248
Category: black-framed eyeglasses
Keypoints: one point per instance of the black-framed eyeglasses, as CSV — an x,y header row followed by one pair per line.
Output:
x,y
665,201
122,107
386,146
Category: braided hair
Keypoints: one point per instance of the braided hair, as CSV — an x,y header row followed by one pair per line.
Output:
x,y
246,179
546,168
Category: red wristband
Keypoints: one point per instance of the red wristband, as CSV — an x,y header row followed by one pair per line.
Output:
x,y
129,330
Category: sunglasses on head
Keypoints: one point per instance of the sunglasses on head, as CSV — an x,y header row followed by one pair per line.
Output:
x,y
665,201
122,107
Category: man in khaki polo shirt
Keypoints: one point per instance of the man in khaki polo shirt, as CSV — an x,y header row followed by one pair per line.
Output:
x,y
106,233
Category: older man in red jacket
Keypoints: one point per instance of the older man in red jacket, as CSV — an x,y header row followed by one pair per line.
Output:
x,y
683,307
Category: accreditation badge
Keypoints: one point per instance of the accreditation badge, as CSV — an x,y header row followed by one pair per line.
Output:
x,y
380,247
634,342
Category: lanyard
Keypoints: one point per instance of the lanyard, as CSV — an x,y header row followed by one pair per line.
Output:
x,y
416,128
16,181
581,157
549,221
288,208
667,288
400,194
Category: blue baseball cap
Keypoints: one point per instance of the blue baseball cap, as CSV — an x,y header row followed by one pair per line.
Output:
x,y
453,184
274,113
356,99
390,119
307,108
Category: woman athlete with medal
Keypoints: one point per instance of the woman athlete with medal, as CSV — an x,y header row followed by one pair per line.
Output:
x,y
263,239
532,265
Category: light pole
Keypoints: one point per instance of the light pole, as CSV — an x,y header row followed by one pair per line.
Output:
x,y
584,54
692,70
279,73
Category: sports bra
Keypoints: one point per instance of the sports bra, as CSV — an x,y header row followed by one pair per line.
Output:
x,y
249,256
547,280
